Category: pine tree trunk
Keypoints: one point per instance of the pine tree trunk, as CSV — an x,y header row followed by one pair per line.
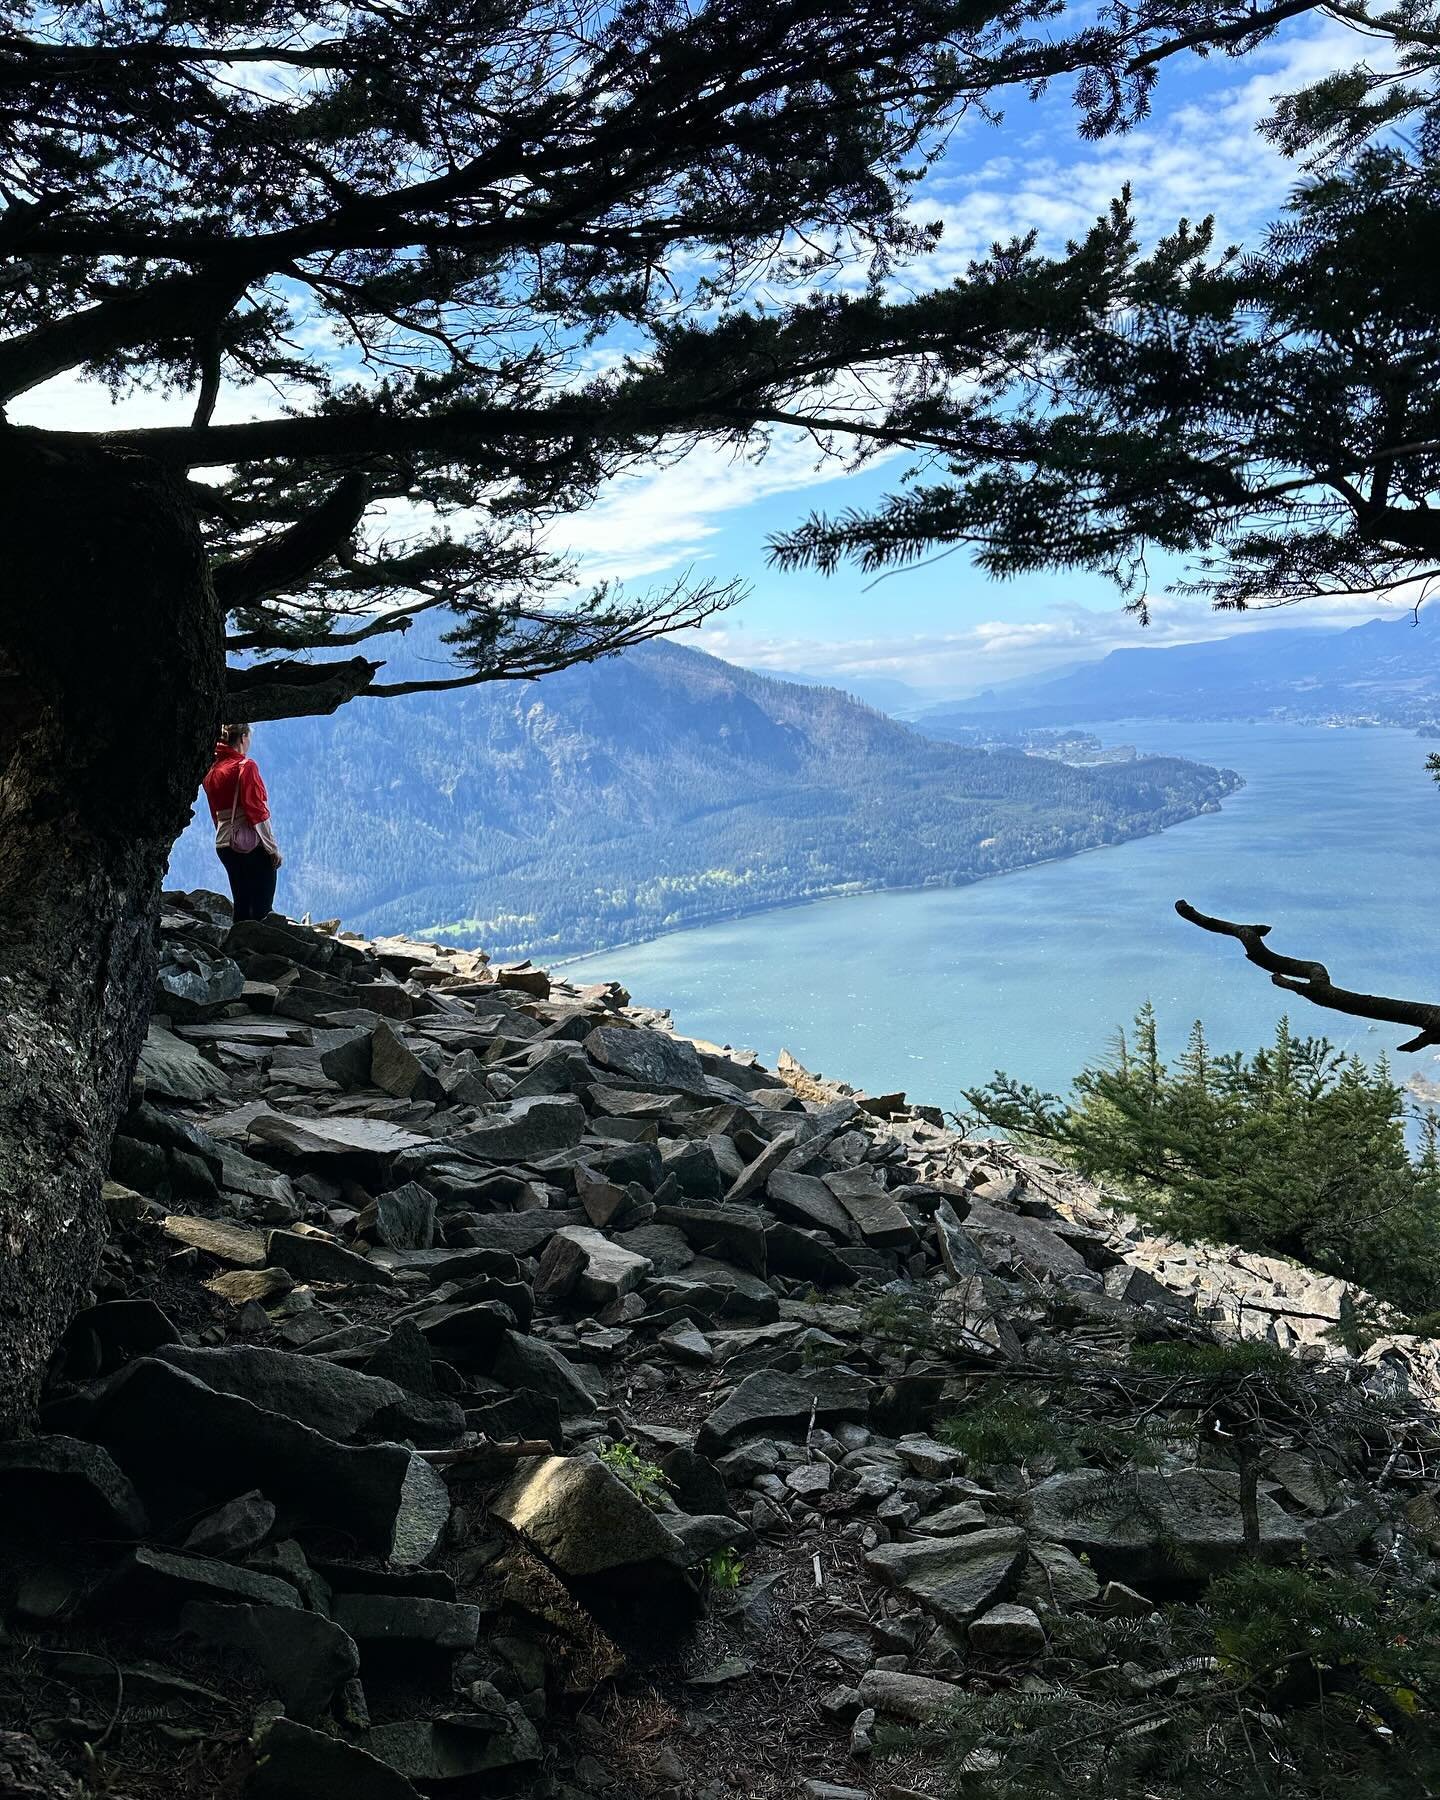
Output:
x,y
111,684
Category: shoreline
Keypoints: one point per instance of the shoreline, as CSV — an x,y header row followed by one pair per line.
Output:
x,y
863,893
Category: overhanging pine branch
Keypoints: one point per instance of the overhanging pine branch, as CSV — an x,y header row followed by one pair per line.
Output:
x,y
281,561
1312,980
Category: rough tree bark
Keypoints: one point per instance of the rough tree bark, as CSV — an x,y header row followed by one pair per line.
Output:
x,y
111,684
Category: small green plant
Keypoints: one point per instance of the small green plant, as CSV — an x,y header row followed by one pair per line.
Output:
x,y
724,1571
1298,1151
1002,1430
646,1480
1279,1684
1215,1362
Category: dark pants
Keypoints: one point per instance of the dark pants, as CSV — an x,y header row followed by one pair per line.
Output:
x,y
252,881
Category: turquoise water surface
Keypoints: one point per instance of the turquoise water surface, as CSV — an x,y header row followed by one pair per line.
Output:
x,y
1335,841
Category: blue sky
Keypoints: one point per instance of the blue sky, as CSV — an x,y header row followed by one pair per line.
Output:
x,y
948,627
944,627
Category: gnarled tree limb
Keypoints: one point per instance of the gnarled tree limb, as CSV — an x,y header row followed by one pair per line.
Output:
x,y
1312,980
295,690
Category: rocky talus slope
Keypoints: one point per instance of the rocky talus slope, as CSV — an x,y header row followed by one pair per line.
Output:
x,y
487,1390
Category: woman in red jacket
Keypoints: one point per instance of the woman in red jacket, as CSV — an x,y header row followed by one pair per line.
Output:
x,y
240,808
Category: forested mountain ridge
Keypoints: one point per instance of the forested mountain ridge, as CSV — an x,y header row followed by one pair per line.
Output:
x,y
1386,671
653,790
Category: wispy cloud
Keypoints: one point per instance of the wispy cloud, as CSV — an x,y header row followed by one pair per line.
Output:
x,y
1188,161
956,663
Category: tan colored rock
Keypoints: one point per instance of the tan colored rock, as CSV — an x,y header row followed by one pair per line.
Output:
x,y
217,1237
239,1286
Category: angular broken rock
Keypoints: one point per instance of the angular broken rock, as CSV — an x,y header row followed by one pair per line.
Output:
x,y
1007,1630
881,1223
295,1762
785,1405
236,1244
459,1746
525,1130
237,1528
383,1495
600,1538
735,1234
341,1402
305,1658
60,1483
174,1070
954,1578
896,1695
804,1200
528,1363
240,1286
1149,1527
365,1144
161,1581
403,1219
394,1066
655,1060
755,1174
583,1264
806,1256
1012,1243
310,1257
413,1619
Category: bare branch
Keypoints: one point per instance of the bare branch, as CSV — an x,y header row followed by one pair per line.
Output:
x,y
1312,980
396,620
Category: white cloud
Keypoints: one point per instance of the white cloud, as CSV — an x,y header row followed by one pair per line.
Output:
x,y
976,656
660,519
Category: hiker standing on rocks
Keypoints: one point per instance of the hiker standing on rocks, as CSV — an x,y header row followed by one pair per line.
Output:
x,y
240,808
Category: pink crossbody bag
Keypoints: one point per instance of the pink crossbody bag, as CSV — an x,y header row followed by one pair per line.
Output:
x,y
243,835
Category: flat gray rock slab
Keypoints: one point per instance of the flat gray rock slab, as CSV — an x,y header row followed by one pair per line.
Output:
x,y
657,1061
775,1403
175,1070
298,1763
755,1174
805,1200
407,1619
247,1031
336,1137
584,1265
525,1130
306,1659
343,1403
896,1695
162,1580
388,1499
59,1480
309,1257
954,1578
1009,1241
1143,1526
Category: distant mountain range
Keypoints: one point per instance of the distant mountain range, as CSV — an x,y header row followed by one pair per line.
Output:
x,y
654,790
1383,672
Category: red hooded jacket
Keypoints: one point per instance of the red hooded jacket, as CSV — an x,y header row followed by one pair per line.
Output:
x,y
220,787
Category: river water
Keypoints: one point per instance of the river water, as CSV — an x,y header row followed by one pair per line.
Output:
x,y
1335,841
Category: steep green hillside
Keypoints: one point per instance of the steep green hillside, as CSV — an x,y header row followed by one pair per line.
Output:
x,y
654,790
